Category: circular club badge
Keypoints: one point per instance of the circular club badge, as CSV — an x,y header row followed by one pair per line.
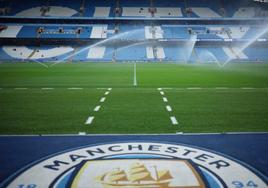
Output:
x,y
137,165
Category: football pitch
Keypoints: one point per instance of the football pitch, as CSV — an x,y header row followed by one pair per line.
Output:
x,y
128,98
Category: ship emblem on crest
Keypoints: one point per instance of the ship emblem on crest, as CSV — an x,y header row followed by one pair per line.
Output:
x,y
138,173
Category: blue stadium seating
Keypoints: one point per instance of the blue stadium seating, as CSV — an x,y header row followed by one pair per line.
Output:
x,y
137,33
257,54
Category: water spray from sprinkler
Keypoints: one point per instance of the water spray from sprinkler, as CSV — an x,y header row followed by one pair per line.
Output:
x,y
128,33
244,46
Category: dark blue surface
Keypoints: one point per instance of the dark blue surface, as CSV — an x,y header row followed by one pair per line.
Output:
x,y
17,152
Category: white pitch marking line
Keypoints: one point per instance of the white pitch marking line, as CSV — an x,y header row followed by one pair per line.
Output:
x,y
174,120
169,109
134,75
102,88
192,88
74,88
221,88
97,108
20,88
109,89
165,99
106,93
102,99
89,120
47,88
159,89
82,133
247,88
162,93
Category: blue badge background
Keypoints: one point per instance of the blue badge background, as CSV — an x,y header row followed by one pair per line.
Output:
x,y
17,152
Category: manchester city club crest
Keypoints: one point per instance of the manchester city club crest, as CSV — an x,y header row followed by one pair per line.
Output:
x,y
138,165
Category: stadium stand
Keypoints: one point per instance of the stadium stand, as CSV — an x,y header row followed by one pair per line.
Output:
x,y
131,31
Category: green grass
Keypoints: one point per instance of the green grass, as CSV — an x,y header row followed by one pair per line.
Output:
x,y
221,111
129,109
65,75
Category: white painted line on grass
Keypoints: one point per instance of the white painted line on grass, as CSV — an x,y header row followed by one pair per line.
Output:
x,y
82,133
106,93
159,89
102,99
89,120
247,88
135,75
47,88
97,108
20,88
74,88
162,93
221,88
193,88
102,88
165,99
174,120
169,109
109,89
105,135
